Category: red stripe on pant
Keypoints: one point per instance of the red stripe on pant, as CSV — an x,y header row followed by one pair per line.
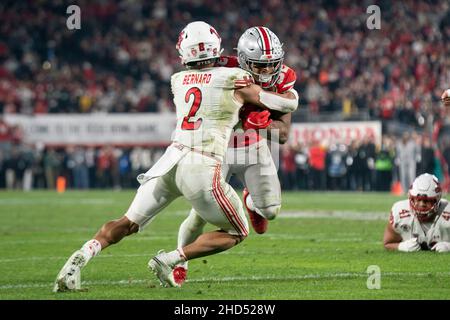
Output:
x,y
220,201
239,221
224,209
241,226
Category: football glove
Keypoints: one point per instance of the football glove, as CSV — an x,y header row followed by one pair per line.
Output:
x,y
442,246
410,245
257,120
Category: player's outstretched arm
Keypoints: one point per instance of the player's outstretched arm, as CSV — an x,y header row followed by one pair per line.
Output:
x,y
254,94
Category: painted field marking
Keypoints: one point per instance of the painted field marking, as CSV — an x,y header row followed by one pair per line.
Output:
x,y
233,279
347,215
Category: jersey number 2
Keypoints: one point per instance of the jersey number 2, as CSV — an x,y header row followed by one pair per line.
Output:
x,y
192,125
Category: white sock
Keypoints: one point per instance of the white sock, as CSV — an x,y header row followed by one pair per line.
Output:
x,y
190,229
176,257
91,248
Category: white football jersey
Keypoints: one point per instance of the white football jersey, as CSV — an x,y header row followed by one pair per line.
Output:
x,y
206,108
405,223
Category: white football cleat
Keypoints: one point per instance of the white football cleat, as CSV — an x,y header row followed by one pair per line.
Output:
x,y
161,267
69,278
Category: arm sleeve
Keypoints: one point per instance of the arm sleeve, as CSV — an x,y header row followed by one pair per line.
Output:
x,y
278,103
236,78
394,218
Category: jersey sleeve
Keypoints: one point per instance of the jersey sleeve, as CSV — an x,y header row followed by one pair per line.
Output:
x,y
287,79
172,82
243,80
236,78
228,62
394,217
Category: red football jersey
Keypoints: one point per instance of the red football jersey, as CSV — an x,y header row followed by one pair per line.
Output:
x,y
285,82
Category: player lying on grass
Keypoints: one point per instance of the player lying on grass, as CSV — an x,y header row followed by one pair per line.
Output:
x,y
207,101
422,222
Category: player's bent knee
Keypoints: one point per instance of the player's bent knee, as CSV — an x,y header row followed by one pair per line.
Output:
x,y
197,222
239,238
270,212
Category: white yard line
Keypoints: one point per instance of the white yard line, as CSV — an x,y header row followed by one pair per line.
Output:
x,y
233,279
347,215
52,201
80,240
150,253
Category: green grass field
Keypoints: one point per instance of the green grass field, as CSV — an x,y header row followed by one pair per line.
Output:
x,y
321,255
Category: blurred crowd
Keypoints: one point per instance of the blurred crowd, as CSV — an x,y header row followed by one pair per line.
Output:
x,y
123,56
360,166
81,167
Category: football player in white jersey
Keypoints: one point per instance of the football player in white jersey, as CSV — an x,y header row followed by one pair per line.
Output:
x,y
207,101
422,222
249,158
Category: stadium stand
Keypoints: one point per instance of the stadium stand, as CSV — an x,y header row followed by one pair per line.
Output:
x,y
121,59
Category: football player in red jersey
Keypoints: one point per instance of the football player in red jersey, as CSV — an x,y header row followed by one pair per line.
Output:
x,y
207,100
248,157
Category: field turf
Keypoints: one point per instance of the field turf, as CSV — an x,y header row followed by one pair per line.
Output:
x,y
318,248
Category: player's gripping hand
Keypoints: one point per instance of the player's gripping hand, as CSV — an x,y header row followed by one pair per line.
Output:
x,y
257,120
446,98
410,245
441,246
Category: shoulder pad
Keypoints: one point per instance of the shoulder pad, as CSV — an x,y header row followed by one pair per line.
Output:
x,y
228,62
286,80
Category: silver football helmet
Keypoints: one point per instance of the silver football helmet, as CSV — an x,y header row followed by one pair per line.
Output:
x,y
260,49
424,196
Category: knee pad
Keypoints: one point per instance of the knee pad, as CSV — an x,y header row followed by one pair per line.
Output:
x,y
270,212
